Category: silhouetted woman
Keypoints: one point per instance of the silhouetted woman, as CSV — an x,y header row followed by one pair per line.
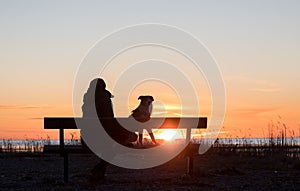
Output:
x,y
97,100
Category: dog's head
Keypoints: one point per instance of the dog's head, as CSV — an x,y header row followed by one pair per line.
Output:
x,y
143,111
146,100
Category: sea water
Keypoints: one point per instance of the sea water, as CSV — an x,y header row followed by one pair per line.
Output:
x,y
37,145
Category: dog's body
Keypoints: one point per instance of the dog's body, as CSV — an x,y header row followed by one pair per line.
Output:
x,y
142,114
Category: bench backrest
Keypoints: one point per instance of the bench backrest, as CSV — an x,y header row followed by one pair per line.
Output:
x,y
168,123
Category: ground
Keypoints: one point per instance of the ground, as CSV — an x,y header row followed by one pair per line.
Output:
x,y
213,171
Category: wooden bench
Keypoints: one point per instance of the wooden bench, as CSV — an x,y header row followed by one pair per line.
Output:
x,y
63,123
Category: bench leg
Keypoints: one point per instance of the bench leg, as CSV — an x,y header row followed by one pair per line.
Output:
x,y
190,160
190,165
66,168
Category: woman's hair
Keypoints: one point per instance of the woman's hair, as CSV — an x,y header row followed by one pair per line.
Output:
x,y
98,83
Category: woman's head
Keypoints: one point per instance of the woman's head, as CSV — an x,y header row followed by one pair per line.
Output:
x,y
98,83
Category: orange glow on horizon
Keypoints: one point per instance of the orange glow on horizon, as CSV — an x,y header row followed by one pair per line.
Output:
x,y
26,121
167,134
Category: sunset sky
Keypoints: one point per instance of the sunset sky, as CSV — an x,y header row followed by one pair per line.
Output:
x,y
256,44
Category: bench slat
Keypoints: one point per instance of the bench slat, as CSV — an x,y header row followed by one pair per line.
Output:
x,y
169,123
67,148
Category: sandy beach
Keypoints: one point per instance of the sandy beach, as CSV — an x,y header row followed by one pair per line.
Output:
x,y
213,171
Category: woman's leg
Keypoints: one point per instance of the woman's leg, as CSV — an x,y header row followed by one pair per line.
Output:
x,y
98,172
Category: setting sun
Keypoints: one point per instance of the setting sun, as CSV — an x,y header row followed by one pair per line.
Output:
x,y
167,134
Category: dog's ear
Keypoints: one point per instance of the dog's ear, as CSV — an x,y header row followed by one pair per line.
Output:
x,y
141,97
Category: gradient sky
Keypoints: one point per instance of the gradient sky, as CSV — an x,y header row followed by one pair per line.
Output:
x,y
255,43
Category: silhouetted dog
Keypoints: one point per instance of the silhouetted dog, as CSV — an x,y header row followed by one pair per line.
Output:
x,y
142,114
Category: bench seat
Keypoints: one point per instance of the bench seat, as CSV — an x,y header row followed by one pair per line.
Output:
x,y
62,123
